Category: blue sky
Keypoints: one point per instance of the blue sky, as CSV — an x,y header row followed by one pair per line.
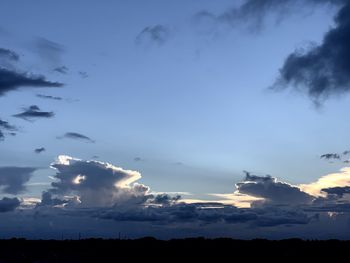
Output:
x,y
189,111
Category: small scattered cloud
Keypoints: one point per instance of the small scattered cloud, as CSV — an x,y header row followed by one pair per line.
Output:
x,y
34,112
39,150
330,156
158,34
76,136
42,96
61,69
83,74
7,127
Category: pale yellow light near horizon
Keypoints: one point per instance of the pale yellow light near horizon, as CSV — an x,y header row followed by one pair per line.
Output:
x,y
340,179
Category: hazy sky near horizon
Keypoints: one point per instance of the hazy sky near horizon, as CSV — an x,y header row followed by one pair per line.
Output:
x,y
183,92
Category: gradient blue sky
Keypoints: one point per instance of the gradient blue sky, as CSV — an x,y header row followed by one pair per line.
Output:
x,y
196,109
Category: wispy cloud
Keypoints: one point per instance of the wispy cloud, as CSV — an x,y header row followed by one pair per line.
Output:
x,y
158,34
76,136
5,126
39,150
48,97
34,112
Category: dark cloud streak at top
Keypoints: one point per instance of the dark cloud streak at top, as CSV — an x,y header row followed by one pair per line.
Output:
x,y
11,80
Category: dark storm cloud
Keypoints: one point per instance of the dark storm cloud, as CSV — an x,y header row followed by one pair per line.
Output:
x,y
324,70
12,80
99,184
62,69
9,204
330,156
8,54
157,34
48,97
40,150
5,126
101,190
34,112
338,191
210,213
13,179
76,136
272,190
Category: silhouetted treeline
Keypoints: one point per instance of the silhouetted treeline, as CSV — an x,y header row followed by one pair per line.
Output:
x,y
150,249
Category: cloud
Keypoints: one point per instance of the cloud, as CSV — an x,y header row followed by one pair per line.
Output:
x,y
272,190
83,74
61,69
34,112
13,179
97,183
4,125
324,70
252,13
40,150
9,204
76,136
12,80
321,71
106,191
338,191
208,213
93,191
48,97
330,156
340,179
49,50
158,34
7,54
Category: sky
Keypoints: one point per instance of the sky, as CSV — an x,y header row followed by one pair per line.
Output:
x,y
174,118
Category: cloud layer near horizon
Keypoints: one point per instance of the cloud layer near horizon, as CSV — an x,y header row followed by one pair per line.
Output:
x,y
94,190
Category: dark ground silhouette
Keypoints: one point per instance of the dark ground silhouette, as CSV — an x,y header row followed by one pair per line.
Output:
x,y
151,250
